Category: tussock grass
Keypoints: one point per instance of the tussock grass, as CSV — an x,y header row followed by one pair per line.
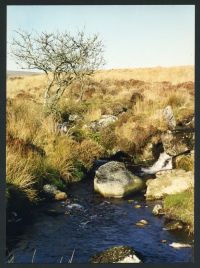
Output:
x,y
19,173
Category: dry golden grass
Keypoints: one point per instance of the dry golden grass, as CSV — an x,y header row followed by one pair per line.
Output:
x,y
155,74
18,173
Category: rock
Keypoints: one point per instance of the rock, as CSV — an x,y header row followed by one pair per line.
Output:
x,y
50,189
114,180
118,254
142,223
173,225
61,196
53,192
75,206
179,245
169,182
158,210
73,117
164,162
179,142
169,117
61,128
103,122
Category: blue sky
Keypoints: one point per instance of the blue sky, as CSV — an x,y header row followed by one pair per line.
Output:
x,y
134,36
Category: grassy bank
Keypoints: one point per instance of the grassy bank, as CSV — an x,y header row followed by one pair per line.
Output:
x,y
181,207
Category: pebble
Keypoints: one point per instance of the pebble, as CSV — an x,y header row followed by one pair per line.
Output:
x,y
142,223
179,245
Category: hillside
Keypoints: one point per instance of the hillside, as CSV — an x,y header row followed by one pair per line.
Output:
x,y
39,152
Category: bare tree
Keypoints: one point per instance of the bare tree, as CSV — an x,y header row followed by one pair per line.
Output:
x,y
63,58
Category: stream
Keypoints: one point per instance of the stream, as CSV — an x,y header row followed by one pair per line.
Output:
x,y
89,223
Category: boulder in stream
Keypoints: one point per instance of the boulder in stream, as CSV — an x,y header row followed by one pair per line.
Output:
x,y
114,180
118,254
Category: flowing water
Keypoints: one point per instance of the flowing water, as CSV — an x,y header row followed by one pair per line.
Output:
x,y
91,223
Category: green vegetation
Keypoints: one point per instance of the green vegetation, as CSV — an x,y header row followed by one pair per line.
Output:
x,y
181,207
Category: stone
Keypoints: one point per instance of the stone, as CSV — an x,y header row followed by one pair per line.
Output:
x,y
103,122
73,117
179,245
60,196
164,162
75,206
50,189
158,210
144,222
117,254
168,183
169,117
53,192
173,225
114,180
179,142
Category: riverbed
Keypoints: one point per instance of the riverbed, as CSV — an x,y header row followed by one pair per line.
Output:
x,y
75,230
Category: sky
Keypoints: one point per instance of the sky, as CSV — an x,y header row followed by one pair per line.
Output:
x,y
133,35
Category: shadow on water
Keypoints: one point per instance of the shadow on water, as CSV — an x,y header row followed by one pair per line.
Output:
x,y
90,223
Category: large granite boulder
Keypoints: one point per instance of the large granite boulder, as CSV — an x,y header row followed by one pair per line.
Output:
x,y
118,254
168,183
114,180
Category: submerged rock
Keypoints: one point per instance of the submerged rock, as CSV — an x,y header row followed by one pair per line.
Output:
x,y
169,182
114,180
118,254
